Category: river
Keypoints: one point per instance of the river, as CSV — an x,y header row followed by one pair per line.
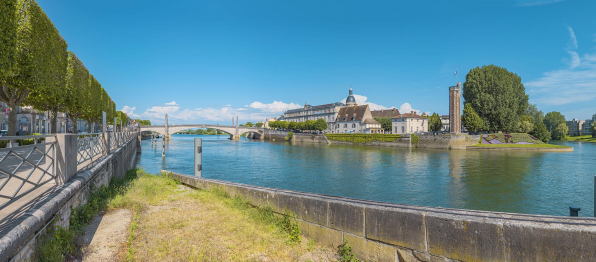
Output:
x,y
517,182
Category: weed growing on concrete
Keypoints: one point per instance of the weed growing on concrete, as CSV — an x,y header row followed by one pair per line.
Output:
x,y
59,242
345,253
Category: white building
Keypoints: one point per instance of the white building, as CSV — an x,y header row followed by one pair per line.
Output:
x,y
409,124
356,119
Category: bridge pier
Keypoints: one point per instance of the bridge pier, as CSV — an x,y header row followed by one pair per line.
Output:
x,y
235,137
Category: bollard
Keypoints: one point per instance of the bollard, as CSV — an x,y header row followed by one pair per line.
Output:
x,y
573,211
198,157
163,146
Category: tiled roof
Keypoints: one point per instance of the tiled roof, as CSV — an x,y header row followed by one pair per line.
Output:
x,y
351,111
371,121
409,116
385,113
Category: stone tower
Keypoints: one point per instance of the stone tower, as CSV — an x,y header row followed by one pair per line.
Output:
x,y
455,108
351,101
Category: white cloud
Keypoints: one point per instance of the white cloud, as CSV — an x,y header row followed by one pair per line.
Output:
x,y
228,105
406,108
565,86
129,111
362,100
572,44
159,112
574,59
275,107
173,103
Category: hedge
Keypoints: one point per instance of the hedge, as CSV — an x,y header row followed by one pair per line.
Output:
x,y
363,138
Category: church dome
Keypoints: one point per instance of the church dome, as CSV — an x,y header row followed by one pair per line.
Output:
x,y
350,101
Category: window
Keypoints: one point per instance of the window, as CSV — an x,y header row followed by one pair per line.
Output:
x,y
345,125
353,125
396,130
403,129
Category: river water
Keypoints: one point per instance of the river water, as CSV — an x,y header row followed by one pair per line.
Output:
x,y
518,182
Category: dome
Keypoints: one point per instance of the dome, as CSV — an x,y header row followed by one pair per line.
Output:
x,y
350,101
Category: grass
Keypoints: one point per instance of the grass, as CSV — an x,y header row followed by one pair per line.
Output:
x,y
176,223
172,222
521,145
363,138
586,138
511,138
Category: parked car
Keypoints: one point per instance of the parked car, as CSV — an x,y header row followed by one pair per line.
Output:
x,y
3,132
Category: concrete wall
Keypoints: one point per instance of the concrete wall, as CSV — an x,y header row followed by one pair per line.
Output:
x,y
309,138
19,243
402,142
380,231
447,141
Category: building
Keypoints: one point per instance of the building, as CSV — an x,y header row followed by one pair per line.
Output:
x,y
587,126
356,119
268,121
393,112
455,108
409,124
575,127
445,122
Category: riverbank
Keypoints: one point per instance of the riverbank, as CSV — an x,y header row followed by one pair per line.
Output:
x,y
586,138
172,222
522,147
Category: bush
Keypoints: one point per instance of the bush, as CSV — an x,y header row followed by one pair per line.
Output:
x,y
363,138
414,139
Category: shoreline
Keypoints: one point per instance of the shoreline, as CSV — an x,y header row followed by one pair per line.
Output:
x,y
537,149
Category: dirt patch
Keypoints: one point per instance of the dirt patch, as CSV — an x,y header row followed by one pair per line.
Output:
x,y
105,234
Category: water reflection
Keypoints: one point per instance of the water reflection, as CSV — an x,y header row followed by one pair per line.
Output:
x,y
523,182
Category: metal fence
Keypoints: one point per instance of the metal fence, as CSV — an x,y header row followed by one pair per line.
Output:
x,y
26,163
90,148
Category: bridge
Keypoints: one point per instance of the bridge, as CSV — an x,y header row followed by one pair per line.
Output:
x,y
233,130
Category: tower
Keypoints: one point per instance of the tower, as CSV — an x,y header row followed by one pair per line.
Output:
x,y
351,101
455,108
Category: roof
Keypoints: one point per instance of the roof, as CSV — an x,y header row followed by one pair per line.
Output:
x,y
409,116
370,121
351,111
385,113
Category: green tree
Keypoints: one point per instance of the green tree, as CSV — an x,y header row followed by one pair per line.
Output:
x,y
143,122
248,124
77,84
434,123
293,125
497,96
38,60
540,132
309,125
552,120
471,120
320,124
536,115
259,124
385,122
560,132
526,125
301,126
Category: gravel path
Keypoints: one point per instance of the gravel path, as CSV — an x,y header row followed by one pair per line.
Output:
x,y
105,234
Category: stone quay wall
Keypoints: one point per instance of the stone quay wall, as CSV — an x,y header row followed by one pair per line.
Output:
x,y
447,141
277,135
379,231
19,244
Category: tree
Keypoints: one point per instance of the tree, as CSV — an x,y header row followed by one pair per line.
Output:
x,y
434,123
38,58
320,124
248,124
540,132
594,129
301,126
526,125
536,115
309,124
259,124
283,124
560,132
497,96
471,120
385,122
292,125
143,122
77,84
552,120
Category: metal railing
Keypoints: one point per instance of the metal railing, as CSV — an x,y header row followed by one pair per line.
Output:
x,y
90,148
27,167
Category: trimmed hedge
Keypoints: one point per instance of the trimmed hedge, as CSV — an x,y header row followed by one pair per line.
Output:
x,y
512,138
363,138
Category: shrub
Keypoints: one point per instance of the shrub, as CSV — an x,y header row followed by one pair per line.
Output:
x,y
414,139
363,138
290,135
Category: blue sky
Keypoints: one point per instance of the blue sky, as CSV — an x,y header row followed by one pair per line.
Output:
x,y
206,61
